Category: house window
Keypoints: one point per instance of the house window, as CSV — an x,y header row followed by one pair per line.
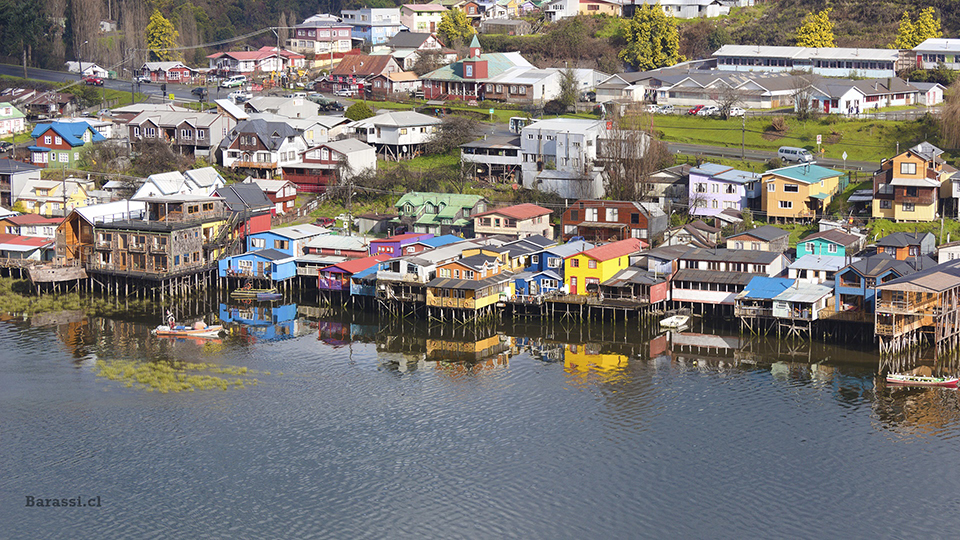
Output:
x,y
886,205
403,131
324,154
591,214
771,187
64,157
522,90
574,215
553,262
791,188
755,246
832,248
592,264
535,259
635,219
908,168
612,214
456,274
786,205
908,207
47,139
136,131
701,188
574,263
468,70
738,245
186,134
59,140
811,248
280,244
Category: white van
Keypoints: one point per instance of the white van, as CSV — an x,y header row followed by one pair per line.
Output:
x,y
235,80
797,155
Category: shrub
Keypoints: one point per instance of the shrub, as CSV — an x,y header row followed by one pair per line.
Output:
x,y
779,124
359,111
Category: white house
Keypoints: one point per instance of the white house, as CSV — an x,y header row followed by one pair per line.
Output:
x,y
829,62
421,17
201,182
929,94
561,9
935,51
684,9
11,120
262,147
396,134
559,155
89,69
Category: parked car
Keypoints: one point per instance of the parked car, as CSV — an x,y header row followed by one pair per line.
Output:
x,y
325,222
651,108
343,93
104,112
695,109
736,111
240,96
589,96
94,81
5,146
142,79
708,111
667,109
200,92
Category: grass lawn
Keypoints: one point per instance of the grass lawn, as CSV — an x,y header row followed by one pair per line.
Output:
x,y
863,140
883,227
751,166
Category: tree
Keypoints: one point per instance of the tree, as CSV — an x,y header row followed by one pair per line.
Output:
x,y
630,155
359,111
162,38
803,96
816,30
427,61
728,98
913,33
950,117
453,131
454,28
652,38
568,88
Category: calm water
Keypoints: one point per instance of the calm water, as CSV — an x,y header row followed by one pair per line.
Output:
x,y
360,431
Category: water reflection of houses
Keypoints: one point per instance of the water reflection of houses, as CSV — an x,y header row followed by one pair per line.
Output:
x,y
469,350
589,358
264,322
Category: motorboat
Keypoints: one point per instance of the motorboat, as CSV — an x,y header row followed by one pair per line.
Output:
x,y
255,294
198,330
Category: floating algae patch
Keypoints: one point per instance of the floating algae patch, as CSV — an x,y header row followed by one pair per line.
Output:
x,y
167,377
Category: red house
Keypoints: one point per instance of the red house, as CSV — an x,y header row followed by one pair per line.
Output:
x,y
251,203
605,221
169,72
282,193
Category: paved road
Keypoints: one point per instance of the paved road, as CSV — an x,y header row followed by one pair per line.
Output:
x,y
750,154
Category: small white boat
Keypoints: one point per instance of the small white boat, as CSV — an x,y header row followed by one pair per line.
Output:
x,y
918,380
675,321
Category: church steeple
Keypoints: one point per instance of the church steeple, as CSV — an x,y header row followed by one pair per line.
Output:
x,y
475,47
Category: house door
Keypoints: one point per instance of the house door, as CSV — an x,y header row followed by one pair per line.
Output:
x,y
573,285
534,288
826,105
433,27
259,268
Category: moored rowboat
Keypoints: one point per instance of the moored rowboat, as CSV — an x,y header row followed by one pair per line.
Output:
x,y
917,380
186,331
675,321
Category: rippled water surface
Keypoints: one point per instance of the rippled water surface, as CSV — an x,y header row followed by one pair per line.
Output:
x,y
368,433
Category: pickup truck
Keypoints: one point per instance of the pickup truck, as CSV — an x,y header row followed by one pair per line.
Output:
x,y
240,96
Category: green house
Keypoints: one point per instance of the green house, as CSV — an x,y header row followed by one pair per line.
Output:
x,y
831,243
438,213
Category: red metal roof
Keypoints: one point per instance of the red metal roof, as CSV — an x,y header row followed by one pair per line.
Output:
x,y
33,241
355,265
614,249
518,211
29,219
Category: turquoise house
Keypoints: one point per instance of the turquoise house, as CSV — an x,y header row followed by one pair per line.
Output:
x,y
832,243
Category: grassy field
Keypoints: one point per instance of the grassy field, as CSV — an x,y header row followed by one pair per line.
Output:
x,y
862,140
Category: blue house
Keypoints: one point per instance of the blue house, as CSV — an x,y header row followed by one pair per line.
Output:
x,y
289,240
263,322
364,282
545,272
855,285
263,264
832,243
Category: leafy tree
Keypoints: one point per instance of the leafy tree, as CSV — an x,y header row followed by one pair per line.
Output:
x,y
913,33
652,38
718,38
816,30
19,206
454,131
359,111
161,37
568,88
455,28
927,26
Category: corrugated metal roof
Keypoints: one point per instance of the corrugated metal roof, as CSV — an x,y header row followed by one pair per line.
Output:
x,y
804,293
764,288
713,276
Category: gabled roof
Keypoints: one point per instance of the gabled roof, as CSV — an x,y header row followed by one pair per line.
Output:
x,y
821,262
457,200
270,254
477,261
517,211
613,250
10,166
835,236
271,134
767,233
71,132
805,173
32,219
497,64
346,146
363,65
441,240
205,177
933,279
240,197
408,40
732,255
298,232
356,265
904,239
400,119
569,249
13,242
879,264
269,186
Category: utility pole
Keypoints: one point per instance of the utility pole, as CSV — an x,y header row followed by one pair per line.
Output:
x,y
743,133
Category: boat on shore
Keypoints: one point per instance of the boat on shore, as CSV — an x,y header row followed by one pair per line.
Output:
x,y
675,322
919,380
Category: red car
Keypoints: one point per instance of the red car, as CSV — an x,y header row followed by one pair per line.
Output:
x,y
325,222
695,110
95,81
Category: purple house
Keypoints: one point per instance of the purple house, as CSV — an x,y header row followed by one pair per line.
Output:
x,y
337,277
394,246
715,188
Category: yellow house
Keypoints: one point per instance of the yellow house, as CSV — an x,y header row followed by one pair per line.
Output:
x,y
799,192
908,186
585,271
600,7
55,197
473,283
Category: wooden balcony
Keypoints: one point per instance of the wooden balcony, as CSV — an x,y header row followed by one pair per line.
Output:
x,y
256,164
